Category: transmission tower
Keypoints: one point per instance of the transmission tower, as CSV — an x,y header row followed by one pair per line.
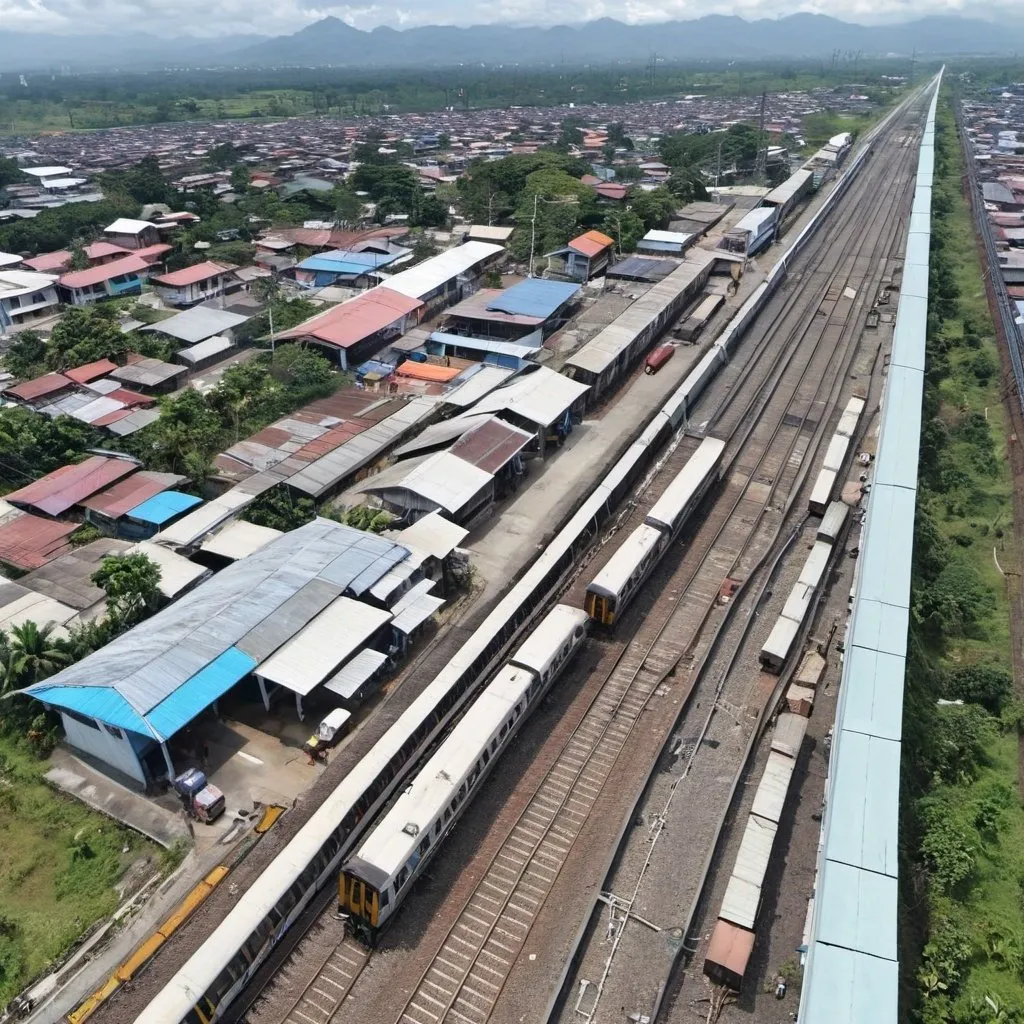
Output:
x,y
761,164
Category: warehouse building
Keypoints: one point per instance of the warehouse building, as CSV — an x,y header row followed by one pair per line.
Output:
x,y
289,614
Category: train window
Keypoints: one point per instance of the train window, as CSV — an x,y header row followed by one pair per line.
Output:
x,y
447,815
519,709
401,878
462,790
486,756
437,827
424,846
504,729
385,898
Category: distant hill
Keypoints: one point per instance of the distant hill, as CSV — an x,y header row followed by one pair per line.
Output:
x,y
331,41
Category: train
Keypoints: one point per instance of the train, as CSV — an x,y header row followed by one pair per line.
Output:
x,y
835,456
373,884
616,584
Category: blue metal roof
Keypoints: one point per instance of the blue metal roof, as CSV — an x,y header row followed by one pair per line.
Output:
x,y
857,909
102,702
341,261
534,297
659,245
177,710
163,507
375,366
842,986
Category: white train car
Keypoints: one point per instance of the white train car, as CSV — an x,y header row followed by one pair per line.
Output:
x,y
373,883
833,521
614,586
779,645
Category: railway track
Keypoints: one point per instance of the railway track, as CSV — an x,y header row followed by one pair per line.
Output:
x,y
464,981
833,334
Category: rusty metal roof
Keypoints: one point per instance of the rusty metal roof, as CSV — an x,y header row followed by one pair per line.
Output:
x,y
491,445
126,494
28,541
68,486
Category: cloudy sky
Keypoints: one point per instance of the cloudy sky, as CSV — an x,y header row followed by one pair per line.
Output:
x,y
280,17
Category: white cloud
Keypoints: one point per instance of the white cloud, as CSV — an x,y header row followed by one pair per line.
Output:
x,y
281,17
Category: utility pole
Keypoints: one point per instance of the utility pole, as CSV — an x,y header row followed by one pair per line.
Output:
x,y
761,164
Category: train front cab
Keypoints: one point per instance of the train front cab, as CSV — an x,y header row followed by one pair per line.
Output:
x,y
361,902
600,606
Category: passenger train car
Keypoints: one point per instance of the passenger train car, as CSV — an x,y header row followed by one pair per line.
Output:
x,y
374,882
614,586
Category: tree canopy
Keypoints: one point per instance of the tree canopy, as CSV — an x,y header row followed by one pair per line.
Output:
x,y
132,585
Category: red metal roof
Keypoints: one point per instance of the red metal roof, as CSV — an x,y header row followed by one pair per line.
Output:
x,y
192,275
97,250
590,243
91,371
127,493
610,190
28,542
491,445
47,262
151,253
130,397
39,387
97,275
68,486
354,321
111,417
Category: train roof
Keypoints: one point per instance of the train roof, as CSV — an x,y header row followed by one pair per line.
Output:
x,y
393,841
613,577
555,630
687,483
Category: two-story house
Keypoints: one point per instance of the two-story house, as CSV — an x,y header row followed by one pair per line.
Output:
x,y
196,284
132,234
106,281
25,296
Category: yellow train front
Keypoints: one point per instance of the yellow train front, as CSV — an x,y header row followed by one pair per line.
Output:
x,y
360,899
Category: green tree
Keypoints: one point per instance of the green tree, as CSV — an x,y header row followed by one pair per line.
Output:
x,y
10,172
654,208
277,509
132,585
240,177
79,260
348,207
185,438
33,655
986,685
432,213
143,182
84,334
221,157
626,228
32,445
26,355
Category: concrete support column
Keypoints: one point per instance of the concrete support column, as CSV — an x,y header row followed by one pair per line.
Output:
x,y
263,692
298,707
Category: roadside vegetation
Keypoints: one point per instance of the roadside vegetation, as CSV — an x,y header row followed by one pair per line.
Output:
x,y
962,827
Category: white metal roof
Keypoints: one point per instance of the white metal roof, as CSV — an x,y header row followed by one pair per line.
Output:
x,y
851,414
433,534
540,397
204,349
187,530
176,572
822,489
675,237
45,172
743,893
788,738
485,380
798,602
832,521
127,226
836,452
28,606
197,324
442,479
817,560
319,648
23,282
346,682
781,638
559,628
419,281
239,539
415,606
9,259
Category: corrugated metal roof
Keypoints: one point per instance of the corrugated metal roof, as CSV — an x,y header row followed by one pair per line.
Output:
x,y
434,535
102,702
636,268
90,371
298,611
319,648
68,578
135,420
491,445
773,788
415,607
192,275
19,604
430,275
30,390
148,372
847,987
431,372
438,434
197,324
534,297
525,348
478,307
239,539
590,243
354,321
442,479
856,909
356,673
162,507
540,397
68,486
205,349
150,662
131,492
743,893
473,388
177,573
104,272
607,345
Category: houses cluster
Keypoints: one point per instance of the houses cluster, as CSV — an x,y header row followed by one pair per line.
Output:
x,y
995,127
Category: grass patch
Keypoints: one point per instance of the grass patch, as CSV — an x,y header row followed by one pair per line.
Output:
x,y
962,820
59,863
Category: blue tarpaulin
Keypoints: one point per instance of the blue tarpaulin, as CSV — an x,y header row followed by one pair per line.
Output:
x,y
534,297
163,507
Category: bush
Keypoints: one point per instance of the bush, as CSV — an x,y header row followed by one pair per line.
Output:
x,y
947,847
984,685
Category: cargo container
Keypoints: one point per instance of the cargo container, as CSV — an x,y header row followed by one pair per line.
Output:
x,y
728,954
658,358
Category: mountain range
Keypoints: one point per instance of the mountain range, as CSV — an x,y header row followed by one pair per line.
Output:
x,y
332,42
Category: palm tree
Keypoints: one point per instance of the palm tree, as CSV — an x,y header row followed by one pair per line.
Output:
x,y
34,655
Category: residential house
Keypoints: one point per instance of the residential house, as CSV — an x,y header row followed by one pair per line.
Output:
x,y
122,276
197,284
132,234
25,296
585,256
